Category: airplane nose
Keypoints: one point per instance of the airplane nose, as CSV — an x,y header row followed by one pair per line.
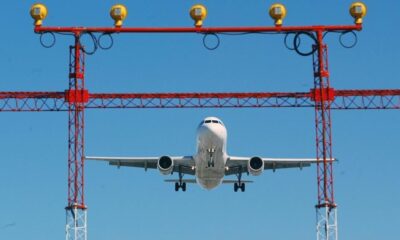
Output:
x,y
211,131
205,129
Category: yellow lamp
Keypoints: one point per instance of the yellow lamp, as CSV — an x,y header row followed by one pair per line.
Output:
x,y
358,11
277,12
38,13
198,13
118,12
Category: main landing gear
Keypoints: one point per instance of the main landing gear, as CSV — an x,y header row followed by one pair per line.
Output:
x,y
180,184
239,184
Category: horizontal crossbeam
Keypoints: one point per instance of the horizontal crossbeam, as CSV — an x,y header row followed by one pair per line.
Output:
x,y
247,29
342,100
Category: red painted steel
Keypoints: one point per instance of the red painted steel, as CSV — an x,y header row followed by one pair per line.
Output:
x,y
327,228
323,126
76,127
200,95
344,100
281,29
327,94
81,96
338,93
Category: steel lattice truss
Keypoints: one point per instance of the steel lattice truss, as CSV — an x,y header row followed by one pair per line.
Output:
x,y
56,101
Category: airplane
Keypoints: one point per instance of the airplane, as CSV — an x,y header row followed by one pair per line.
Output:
x,y
211,162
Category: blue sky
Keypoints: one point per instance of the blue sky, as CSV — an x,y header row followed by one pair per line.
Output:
x,y
129,203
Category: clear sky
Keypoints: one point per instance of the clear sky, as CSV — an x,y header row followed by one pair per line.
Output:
x,y
128,203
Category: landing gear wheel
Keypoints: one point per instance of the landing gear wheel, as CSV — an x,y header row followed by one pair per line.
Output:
x,y
180,184
239,183
210,162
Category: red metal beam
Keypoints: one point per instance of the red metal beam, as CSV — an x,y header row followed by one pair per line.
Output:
x,y
344,99
32,101
277,29
22,95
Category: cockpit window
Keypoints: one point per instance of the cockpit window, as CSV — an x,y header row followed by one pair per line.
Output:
x,y
211,121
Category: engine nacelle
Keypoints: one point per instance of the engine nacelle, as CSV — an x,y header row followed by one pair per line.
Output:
x,y
255,166
165,165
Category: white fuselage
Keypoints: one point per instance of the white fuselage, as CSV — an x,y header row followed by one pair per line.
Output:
x,y
211,149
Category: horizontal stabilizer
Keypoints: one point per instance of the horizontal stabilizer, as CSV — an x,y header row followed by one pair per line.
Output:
x,y
235,181
183,180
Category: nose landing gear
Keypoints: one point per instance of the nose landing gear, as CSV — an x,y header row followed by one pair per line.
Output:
x,y
211,152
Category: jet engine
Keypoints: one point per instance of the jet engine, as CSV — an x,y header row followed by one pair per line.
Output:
x,y
165,165
255,166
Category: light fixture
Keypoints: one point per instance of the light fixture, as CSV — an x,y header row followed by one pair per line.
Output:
x,y
198,13
358,11
118,12
277,12
38,13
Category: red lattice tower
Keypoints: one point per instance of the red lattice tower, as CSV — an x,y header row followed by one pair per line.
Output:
x,y
76,96
324,96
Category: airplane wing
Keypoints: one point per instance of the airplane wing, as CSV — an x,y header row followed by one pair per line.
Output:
x,y
185,163
240,164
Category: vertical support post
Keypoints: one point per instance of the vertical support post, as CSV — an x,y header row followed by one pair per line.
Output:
x,y
326,208
76,212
